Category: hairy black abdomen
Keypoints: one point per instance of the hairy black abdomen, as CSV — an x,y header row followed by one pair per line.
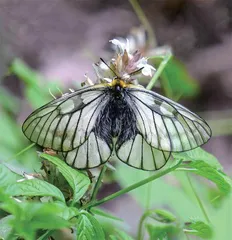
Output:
x,y
116,119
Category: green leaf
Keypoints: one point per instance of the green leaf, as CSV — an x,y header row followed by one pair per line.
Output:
x,y
5,227
7,177
162,231
163,216
34,187
175,78
123,236
105,214
77,180
88,227
200,229
36,86
220,179
199,154
206,165
67,212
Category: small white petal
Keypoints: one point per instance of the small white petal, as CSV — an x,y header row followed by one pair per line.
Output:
x,y
120,47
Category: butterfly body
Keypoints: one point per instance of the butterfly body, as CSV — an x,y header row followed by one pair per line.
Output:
x,y
142,127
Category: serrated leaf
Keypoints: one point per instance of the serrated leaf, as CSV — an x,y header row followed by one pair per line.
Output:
x,y
88,227
105,214
7,177
220,179
162,231
176,78
199,154
200,229
5,227
34,187
163,216
78,181
206,165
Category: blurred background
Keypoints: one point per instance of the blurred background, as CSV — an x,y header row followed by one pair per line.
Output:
x,y
58,40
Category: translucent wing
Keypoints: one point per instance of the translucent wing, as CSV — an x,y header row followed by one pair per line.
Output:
x,y
139,154
65,123
90,154
166,125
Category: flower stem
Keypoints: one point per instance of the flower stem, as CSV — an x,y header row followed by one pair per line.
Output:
x,y
198,199
159,71
143,19
132,187
98,183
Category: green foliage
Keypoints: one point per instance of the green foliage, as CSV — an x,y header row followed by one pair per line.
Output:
x,y
206,165
34,187
25,218
200,229
161,231
7,177
163,216
33,83
175,79
78,181
88,227
35,208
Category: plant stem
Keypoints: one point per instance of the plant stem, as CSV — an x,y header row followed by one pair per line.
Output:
x,y
198,199
21,152
142,219
132,187
98,183
159,71
143,19
148,195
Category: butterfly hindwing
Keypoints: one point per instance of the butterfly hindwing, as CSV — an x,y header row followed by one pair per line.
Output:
x,y
166,125
65,123
139,154
92,153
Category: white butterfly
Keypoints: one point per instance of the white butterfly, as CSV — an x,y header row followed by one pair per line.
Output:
x,y
141,127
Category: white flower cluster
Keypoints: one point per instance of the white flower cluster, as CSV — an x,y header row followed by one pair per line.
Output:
x,y
124,65
135,59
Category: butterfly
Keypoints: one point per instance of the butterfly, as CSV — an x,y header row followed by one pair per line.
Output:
x,y
140,127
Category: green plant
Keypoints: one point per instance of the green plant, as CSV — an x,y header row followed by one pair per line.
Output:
x,y
58,196
41,196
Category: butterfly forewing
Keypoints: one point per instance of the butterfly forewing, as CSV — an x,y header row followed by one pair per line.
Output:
x,y
65,123
166,125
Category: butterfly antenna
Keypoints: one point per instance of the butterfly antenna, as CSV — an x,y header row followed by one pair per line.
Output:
x,y
136,71
109,67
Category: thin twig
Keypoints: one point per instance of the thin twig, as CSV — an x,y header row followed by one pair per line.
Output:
x,y
98,183
159,71
143,19
198,199
132,187
21,152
